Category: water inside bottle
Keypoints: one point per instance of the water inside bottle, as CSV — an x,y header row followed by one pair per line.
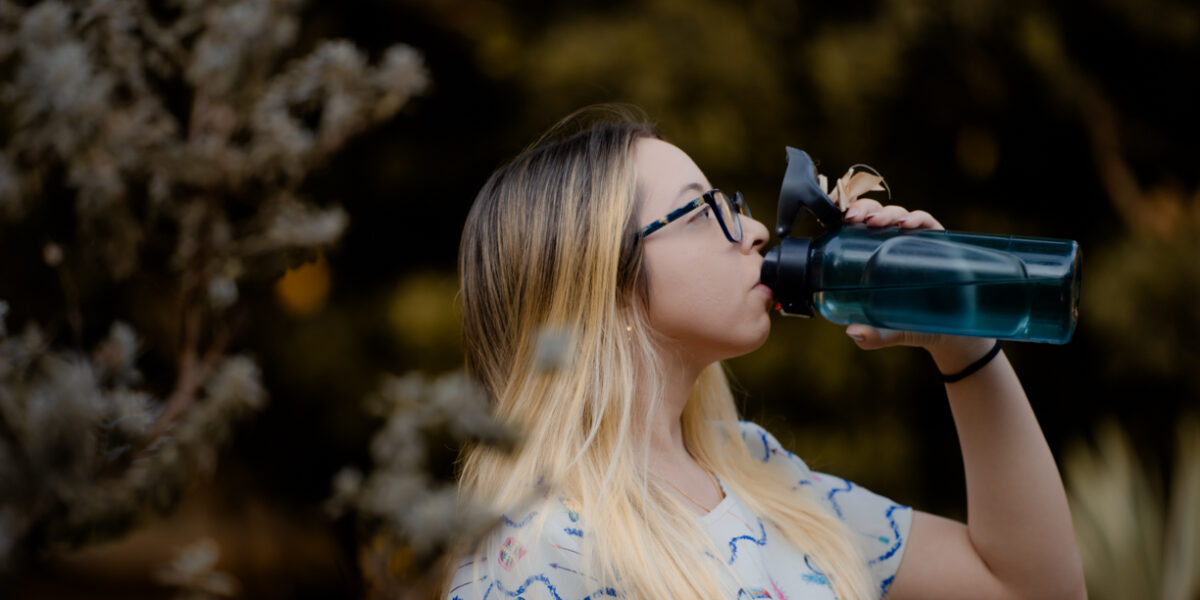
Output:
x,y
1015,309
941,286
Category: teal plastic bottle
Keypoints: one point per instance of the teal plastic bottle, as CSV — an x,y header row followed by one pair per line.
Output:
x,y
1006,287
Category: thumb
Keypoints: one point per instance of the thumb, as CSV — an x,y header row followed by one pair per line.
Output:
x,y
871,338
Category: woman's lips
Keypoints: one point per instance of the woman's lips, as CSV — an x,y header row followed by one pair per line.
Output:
x,y
764,289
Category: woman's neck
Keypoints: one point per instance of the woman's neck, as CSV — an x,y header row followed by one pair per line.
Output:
x,y
666,426
670,459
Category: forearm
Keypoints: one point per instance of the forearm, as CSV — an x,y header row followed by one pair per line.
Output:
x,y
1018,518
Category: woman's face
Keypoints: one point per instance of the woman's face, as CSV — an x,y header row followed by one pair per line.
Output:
x,y
704,292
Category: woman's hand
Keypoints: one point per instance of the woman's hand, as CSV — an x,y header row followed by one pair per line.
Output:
x,y
874,214
1018,542
951,353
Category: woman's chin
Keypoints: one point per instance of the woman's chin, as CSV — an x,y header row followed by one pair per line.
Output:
x,y
762,339
754,339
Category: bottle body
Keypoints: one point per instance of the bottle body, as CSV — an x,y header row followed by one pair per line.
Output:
x,y
957,283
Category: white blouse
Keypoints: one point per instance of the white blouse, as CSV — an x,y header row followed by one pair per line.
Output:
x,y
765,563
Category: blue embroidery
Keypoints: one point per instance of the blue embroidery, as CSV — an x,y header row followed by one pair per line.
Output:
x,y
753,593
895,531
570,507
605,591
887,583
837,509
470,583
523,522
733,542
816,576
573,531
549,587
559,567
762,434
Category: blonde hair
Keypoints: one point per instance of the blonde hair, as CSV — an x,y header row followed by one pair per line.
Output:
x,y
551,244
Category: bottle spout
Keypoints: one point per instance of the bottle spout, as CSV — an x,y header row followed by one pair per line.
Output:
x,y
770,268
785,271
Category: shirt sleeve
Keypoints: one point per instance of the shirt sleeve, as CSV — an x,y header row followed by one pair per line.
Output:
x,y
521,560
879,526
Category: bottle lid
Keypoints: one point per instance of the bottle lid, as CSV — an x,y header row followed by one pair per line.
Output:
x,y
785,271
801,189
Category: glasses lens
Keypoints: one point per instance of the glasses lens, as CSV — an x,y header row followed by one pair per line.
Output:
x,y
728,213
740,203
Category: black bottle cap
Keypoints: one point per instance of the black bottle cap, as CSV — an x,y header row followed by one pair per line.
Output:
x,y
801,189
785,271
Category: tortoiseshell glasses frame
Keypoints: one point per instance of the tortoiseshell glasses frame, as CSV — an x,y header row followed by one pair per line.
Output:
x,y
726,209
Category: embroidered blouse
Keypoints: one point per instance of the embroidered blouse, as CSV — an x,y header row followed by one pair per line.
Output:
x,y
765,563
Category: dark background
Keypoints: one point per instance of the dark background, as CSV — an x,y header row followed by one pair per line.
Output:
x,y
999,117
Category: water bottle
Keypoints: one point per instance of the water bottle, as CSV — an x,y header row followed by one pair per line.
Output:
x,y
997,286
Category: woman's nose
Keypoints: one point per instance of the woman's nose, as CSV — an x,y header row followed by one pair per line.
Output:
x,y
754,234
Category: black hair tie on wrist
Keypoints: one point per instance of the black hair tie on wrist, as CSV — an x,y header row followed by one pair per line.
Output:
x,y
975,366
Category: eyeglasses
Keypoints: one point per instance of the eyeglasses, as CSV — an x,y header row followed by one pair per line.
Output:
x,y
722,205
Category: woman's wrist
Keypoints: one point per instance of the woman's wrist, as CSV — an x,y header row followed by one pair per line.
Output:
x,y
954,354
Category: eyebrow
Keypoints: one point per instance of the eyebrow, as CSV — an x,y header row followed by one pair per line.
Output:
x,y
695,185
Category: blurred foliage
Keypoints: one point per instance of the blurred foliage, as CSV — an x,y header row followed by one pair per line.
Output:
x,y
193,572
1148,305
1135,540
151,166
1029,118
304,290
82,454
409,518
423,310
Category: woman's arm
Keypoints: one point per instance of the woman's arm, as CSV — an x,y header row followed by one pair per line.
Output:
x,y
1018,541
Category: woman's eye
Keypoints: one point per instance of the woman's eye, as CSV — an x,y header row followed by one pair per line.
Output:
x,y
703,214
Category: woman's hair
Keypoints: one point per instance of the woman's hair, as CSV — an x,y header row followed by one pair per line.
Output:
x,y
551,248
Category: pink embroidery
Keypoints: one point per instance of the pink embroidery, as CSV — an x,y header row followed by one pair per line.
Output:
x,y
778,592
510,552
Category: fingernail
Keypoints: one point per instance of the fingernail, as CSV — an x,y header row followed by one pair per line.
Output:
x,y
850,214
869,215
855,337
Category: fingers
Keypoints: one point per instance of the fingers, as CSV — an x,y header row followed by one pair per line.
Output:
x,y
919,219
858,211
886,216
872,338
874,214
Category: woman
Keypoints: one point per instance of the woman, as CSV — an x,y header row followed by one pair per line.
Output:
x,y
635,478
